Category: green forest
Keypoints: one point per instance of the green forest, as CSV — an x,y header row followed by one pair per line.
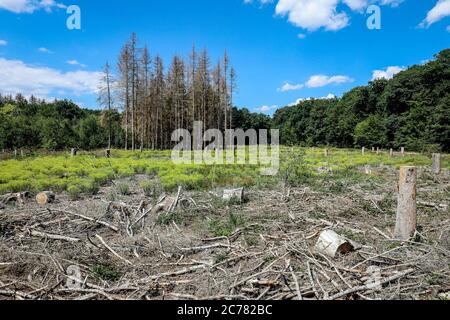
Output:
x,y
411,110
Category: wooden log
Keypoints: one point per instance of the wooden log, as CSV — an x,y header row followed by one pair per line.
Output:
x,y
436,163
73,152
407,204
45,197
330,243
230,194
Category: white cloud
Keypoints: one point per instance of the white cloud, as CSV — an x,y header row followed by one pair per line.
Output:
x,y
439,11
260,1
315,14
3,42
316,81
266,109
76,63
301,36
45,50
389,73
448,28
290,87
319,81
18,77
330,96
29,6
356,5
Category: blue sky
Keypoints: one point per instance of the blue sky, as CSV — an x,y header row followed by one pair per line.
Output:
x,y
282,50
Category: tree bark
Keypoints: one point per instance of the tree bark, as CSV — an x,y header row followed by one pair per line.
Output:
x,y
407,204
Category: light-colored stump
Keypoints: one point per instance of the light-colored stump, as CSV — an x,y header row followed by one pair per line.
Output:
x,y
407,204
391,153
363,151
73,152
237,194
373,149
378,151
330,243
436,163
403,151
45,197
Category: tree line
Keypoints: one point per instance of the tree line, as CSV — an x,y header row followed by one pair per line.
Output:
x,y
143,105
411,110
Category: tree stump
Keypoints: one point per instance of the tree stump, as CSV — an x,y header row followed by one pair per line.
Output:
x,y
391,153
45,197
327,153
378,151
237,194
403,151
407,204
73,152
436,163
363,151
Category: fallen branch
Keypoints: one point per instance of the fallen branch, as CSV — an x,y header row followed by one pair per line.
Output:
x,y
90,220
111,250
35,233
370,286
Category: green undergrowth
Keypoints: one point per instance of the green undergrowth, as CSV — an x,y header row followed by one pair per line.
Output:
x,y
87,172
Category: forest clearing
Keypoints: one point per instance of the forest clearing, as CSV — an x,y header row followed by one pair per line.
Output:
x,y
224,158
136,226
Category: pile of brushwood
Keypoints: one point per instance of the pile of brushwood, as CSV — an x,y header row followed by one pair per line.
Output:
x,y
198,245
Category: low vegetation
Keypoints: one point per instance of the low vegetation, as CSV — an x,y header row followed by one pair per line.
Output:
x,y
85,173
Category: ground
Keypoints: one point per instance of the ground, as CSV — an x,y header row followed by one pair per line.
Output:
x,y
86,246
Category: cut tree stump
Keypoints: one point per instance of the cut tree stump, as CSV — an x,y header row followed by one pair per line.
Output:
x,y
391,153
330,243
45,197
363,151
407,204
230,194
73,152
436,163
402,151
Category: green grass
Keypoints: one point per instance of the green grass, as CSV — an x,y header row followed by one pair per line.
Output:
x,y
88,171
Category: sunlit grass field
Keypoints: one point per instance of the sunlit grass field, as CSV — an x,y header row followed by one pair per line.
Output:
x,y
89,171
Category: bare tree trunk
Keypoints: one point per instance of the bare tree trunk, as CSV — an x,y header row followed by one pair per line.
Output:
x,y
407,207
